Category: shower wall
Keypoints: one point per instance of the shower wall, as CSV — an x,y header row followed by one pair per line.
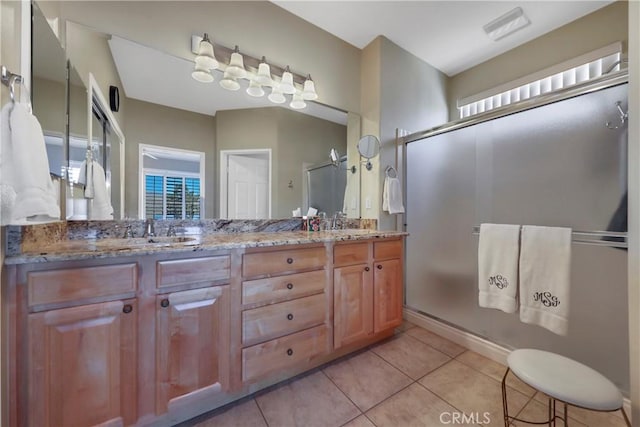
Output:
x,y
554,165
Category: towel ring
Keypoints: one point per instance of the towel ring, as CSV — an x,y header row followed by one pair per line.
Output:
x,y
391,172
11,79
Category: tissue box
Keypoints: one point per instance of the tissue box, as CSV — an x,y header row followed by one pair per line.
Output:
x,y
311,224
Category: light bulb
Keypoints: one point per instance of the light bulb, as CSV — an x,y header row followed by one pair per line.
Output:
x,y
206,57
255,89
264,74
286,84
309,90
276,96
229,82
202,74
236,66
297,103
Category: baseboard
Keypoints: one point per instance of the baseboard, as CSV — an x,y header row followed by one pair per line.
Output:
x,y
468,340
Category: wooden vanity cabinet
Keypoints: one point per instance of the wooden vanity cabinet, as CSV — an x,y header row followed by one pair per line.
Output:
x,y
193,331
367,287
80,365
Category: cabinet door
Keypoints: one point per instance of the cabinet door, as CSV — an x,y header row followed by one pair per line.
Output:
x,y
352,304
82,365
388,294
192,341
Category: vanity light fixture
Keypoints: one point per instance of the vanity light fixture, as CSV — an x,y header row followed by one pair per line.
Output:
x,y
309,90
258,72
205,61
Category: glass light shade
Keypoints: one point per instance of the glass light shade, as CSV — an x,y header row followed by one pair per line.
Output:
x,y
206,57
202,74
286,85
229,82
276,96
309,90
264,74
236,66
297,103
255,89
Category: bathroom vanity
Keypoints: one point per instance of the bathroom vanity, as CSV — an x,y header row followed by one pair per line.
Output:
x,y
159,333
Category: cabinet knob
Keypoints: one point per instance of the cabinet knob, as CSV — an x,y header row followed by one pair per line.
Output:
x,y
164,303
128,308
289,285
289,260
290,316
379,266
367,269
289,352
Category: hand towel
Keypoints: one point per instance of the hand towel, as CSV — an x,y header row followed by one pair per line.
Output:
x,y
545,277
85,177
498,251
392,196
100,206
28,193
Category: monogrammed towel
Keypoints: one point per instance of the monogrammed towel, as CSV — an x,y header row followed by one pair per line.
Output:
x,y
545,276
498,251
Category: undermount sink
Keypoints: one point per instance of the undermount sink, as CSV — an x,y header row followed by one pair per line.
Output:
x,y
146,241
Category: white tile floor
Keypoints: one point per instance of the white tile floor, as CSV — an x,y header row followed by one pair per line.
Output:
x,y
416,378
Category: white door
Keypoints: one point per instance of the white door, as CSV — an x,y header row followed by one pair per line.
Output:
x,y
248,187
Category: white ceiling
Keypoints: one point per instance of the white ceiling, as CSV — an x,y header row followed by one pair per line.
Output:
x,y
446,34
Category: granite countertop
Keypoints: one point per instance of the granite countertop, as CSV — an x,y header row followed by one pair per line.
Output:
x,y
68,250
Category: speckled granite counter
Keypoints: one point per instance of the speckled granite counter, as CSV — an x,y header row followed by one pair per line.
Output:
x,y
67,250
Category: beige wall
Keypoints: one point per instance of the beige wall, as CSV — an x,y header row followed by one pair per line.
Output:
x,y
168,127
49,103
259,28
294,139
598,29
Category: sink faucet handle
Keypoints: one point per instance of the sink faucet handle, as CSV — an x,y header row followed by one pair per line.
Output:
x,y
149,230
171,232
128,232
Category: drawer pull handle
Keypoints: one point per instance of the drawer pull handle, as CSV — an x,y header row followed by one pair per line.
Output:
x,y
290,316
379,266
289,352
289,260
164,303
289,285
128,308
367,269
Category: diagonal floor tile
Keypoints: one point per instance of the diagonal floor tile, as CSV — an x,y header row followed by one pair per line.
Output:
x,y
245,414
472,391
411,356
361,421
367,379
311,401
413,407
436,341
495,370
538,412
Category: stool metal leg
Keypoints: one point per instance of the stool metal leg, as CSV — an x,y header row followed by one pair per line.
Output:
x,y
505,408
566,418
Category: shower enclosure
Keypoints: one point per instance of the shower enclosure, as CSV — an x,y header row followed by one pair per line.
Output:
x,y
554,163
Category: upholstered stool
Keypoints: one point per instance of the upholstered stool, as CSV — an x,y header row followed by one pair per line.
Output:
x,y
563,380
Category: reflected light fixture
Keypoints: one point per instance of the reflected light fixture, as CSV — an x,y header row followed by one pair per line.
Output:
x,y
309,90
506,24
276,95
255,89
297,103
205,61
264,73
286,84
235,68
229,82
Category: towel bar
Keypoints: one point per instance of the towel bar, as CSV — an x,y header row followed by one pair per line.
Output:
x,y
613,239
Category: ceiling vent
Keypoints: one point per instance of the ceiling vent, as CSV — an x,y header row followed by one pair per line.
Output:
x,y
508,23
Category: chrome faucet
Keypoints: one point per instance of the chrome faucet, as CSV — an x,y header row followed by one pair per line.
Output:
x,y
171,232
128,232
149,230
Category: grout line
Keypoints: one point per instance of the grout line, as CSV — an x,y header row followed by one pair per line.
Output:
x,y
261,413
345,395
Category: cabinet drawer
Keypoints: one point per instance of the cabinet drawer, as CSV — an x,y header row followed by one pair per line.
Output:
x,y
281,288
73,284
277,262
353,253
192,270
280,354
276,320
388,249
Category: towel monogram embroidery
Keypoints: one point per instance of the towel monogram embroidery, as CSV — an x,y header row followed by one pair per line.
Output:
x,y
498,281
546,298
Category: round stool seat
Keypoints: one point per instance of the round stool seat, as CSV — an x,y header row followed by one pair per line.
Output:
x,y
565,379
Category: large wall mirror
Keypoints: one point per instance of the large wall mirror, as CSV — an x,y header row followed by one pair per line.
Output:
x,y
195,150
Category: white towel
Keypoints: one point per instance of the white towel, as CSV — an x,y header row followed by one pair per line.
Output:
x,y
28,195
100,206
498,251
545,277
392,196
